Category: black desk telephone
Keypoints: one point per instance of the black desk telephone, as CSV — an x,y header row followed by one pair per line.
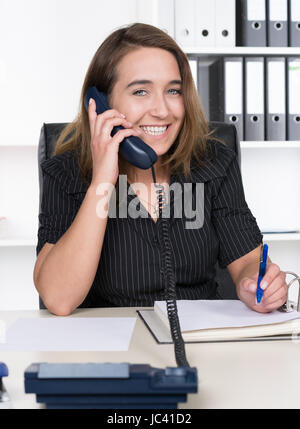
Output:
x,y
140,386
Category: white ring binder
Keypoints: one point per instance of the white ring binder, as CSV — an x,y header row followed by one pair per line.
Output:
x,y
291,305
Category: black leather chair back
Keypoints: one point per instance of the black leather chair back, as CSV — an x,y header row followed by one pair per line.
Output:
x,y
225,132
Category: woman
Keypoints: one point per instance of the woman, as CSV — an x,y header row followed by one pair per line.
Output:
x,y
89,260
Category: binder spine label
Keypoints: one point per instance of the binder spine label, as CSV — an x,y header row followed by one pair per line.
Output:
x,y
294,87
293,71
256,10
233,105
295,10
276,86
277,10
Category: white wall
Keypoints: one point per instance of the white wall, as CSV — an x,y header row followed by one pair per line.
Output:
x,y
49,44
270,180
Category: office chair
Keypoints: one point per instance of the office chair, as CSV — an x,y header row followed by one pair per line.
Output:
x,y
226,132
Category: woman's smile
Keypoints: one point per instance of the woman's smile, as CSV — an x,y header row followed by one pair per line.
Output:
x,y
155,132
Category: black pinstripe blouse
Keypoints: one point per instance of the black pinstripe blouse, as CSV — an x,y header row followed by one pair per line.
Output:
x,y
130,267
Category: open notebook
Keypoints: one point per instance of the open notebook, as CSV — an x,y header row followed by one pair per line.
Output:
x,y
221,320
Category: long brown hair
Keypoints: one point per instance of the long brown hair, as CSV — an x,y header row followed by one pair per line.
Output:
x,y
191,141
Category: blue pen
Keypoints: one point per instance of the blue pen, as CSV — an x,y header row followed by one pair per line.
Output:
x,y
262,271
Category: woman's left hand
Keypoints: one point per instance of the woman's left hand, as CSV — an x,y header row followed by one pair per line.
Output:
x,y
274,286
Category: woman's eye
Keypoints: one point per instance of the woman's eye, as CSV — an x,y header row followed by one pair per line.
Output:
x,y
141,92
138,92
177,91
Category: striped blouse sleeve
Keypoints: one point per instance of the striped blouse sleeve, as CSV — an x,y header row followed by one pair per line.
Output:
x,y
235,225
58,205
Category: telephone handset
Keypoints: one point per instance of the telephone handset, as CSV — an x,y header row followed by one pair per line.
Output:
x,y
132,148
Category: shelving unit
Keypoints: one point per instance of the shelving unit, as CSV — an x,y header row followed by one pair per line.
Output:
x,y
263,159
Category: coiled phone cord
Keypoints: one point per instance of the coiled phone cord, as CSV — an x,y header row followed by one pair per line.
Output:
x,y
169,278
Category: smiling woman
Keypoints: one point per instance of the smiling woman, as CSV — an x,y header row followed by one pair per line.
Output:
x,y
143,65
154,105
89,261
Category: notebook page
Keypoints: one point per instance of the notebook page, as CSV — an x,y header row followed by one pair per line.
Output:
x,y
209,314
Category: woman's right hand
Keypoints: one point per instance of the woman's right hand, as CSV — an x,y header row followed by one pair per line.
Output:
x,y
104,148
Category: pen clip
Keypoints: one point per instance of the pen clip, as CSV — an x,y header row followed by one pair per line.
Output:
x,y
263,260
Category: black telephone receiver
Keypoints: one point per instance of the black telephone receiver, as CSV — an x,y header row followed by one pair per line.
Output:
x,y
138,153
132,148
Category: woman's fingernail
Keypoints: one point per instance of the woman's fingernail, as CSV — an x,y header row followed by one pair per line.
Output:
x,y
123,116
263,285
90,100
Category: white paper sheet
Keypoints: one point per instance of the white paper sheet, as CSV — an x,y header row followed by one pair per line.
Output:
x,y
206,314
70,334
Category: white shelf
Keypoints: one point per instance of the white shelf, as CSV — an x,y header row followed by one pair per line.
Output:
x,y
13,145
270,144
288,236
241,50
16,242
244,145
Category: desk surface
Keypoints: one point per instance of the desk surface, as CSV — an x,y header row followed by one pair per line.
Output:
x,y
260,374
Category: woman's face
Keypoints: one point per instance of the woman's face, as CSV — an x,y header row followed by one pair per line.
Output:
x,y
148,92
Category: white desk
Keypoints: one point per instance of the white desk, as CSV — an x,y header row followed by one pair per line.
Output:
x,y
231,375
